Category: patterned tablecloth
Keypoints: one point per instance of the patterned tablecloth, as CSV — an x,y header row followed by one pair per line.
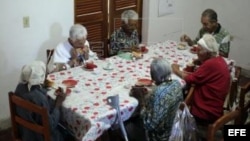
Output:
x,y
85,109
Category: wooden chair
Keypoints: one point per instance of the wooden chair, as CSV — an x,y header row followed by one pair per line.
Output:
x,y
239,115
219,123
243,104
233,92
49,53
16,120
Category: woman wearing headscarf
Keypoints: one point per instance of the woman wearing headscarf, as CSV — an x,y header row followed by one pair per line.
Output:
x,y
31,88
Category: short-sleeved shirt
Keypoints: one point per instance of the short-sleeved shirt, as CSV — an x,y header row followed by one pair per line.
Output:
x,y
219,34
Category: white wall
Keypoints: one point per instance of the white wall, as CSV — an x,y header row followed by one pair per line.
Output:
x,y
233,15
50,21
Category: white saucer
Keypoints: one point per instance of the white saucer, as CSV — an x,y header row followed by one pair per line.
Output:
x,y
108,68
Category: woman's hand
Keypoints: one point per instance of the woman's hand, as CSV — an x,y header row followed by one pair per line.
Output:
x,y
60,96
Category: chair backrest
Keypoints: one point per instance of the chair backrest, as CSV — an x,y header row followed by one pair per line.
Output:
x,y
244,104
218,124
113,101
233,92
49,53
16,101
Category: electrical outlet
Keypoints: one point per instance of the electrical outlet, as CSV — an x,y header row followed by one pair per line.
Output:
x,y
26,22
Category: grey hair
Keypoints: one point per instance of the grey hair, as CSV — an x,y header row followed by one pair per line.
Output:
x,y
129,14
160,70
211,14
77,32
211,43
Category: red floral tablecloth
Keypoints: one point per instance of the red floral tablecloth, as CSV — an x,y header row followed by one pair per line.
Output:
x,y
85,109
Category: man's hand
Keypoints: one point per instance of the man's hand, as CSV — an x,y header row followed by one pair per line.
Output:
x,y
185,38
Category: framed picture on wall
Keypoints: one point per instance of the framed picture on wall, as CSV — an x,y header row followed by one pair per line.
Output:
x,y
165,7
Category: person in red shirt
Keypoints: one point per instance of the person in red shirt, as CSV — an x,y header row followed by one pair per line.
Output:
x,y
211,79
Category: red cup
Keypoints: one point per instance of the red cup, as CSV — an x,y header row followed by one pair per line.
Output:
x,y
189,68
143,49
90,66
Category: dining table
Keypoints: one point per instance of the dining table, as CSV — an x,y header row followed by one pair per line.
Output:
x,y
85,110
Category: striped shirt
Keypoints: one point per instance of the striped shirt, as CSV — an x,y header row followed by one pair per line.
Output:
x,y
219,34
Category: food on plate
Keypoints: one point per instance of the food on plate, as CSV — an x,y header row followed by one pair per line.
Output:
x,y
137,55
182,45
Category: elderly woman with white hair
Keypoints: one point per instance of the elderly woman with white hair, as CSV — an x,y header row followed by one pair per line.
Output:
x,y
126,37
211,79
161,106
72,52
31,88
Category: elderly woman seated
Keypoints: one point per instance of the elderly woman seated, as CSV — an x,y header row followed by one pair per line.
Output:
x,y
163,102
31,88
126,37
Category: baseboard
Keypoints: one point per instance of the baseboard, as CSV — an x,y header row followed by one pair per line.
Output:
x,y
5,124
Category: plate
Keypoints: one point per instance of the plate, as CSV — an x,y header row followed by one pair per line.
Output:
x,y
69,83
144,81
182,46
88,69
108,68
